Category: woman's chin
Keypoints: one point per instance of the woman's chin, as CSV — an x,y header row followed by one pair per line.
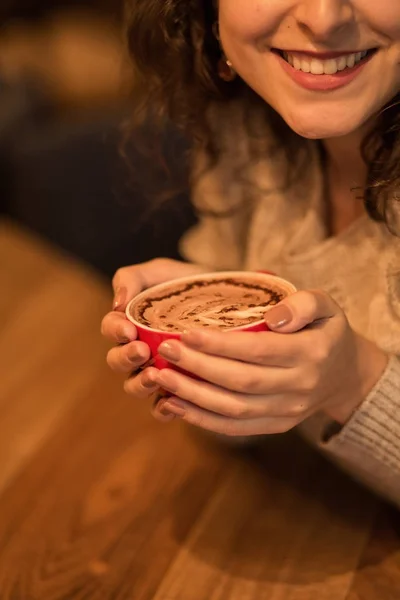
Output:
x,y
321,132
322,128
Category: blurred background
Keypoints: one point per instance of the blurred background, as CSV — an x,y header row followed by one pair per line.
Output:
x,y
65,90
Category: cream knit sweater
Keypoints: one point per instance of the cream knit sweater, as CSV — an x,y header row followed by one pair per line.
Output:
x,y
284,231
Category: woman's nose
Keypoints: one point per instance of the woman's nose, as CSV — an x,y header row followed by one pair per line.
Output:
x,y
324,19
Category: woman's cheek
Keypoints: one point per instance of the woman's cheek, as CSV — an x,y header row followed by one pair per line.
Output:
x,y
382,17
248,21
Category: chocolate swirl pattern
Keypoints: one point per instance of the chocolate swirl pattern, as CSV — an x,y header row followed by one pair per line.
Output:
x,y
214,303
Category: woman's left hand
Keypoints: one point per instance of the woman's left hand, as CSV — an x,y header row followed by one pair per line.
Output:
x,y
269,382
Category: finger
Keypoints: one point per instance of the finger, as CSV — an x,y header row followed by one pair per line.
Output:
x,y
269,348
116,328
130,281
142,385
301,309
128,358
127,283
230,374
230,404
159,412
224,425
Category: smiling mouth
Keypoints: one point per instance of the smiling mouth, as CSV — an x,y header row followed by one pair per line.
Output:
x,y
325,64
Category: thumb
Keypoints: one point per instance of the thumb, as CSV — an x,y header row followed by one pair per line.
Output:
x,y
127,283
299,310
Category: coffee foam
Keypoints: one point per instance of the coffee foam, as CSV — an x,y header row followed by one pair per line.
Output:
x,y
210,303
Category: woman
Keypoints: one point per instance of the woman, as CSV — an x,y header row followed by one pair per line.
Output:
x,y
292,108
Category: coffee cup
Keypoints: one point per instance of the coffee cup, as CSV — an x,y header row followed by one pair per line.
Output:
x,y
226,301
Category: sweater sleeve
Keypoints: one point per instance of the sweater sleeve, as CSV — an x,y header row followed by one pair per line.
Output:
x,y
368,446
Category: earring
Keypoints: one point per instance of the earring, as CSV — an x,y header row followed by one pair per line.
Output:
x,y
225,70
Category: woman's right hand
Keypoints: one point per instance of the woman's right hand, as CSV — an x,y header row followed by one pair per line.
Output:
x,y
129,354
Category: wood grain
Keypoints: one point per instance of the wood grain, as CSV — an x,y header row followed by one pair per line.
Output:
x,y
286,535
98,501
378,573
50,344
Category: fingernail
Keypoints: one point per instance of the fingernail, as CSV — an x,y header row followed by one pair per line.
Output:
x,y
136,355
174,407
120,297
170,350
164,382
194,339
279,316
163,411
125,335
148,382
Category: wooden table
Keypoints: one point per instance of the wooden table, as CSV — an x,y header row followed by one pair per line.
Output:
x,y
98,501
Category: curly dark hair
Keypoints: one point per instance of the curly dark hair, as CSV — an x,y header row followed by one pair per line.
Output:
x,y
175,57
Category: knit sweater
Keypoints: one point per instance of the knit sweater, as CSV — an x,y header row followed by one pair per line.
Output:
x,y
284,230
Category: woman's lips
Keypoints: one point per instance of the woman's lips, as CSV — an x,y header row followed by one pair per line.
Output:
x,y
320,55
324,82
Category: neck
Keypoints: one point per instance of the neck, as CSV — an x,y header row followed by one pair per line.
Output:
x,y
345,162
346,177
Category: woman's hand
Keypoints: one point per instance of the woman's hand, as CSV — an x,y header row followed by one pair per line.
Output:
x,y
258,383
129,354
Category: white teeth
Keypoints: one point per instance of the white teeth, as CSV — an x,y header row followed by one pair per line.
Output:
x,y
323,67
351,61
330,67
297,63
288,57
317,67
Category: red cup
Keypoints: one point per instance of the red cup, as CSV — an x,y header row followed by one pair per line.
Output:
x,y
154,337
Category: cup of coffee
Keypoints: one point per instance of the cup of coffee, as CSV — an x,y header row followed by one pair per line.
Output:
x,y
225,301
